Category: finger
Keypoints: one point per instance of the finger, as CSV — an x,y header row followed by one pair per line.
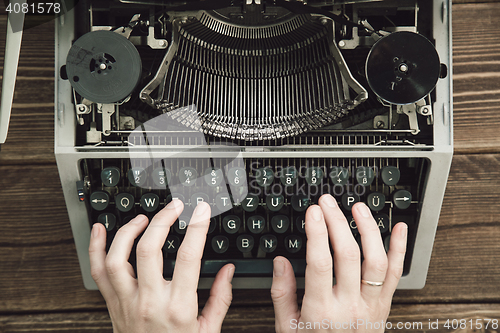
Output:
x,y
396,257
374,266
97,255
119,270
284,294
346,256
218,303
319,268
149,255
188,261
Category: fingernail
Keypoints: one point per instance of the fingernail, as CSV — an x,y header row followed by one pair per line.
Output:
x,y
317,214
364,210
139,219
95,231
201,208
279,268
175,204
404,231
330,201
230,273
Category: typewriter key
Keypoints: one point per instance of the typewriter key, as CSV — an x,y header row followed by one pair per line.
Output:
x,y
124,202
99,200
293,243
110,176
268,243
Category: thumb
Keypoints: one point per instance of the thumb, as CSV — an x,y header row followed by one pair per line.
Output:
x,y
284,294
218,303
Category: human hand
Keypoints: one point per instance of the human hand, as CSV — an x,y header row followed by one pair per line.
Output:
x,y
350,306
149,303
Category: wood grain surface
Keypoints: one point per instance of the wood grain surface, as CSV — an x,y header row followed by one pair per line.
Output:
x,y
40,284
418,318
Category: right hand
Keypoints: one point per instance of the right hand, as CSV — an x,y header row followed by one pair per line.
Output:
x,y
350,305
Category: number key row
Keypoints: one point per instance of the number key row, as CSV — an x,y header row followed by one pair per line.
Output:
x,y
237,176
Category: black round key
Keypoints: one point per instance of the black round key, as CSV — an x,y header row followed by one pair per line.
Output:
x,y
223,202
172,244
339,175
110,176
231,224
268,243
137,176
352,225
300,202
213,176
124,202
289,176
161,177
365,175
264,176
314,176
244,243
280,223
187,176
108,220
275,202
199,197
348,200
300,224
177,196
250,203
376,201
402,199
237,176
256,224
382,222
99,200
127,219
150,202
213,225
220,244
238,193
293,243
181,224
390,175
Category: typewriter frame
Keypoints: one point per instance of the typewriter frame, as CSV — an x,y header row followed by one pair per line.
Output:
x,y
439,155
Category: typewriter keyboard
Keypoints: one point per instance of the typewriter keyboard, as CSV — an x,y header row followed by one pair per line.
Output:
x,y
258,205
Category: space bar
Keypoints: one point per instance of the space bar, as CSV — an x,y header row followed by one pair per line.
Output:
x,y
250,267
244,267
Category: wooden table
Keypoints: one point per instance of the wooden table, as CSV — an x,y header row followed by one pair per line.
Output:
x,y
40,284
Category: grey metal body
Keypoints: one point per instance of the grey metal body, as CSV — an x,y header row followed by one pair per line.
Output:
x,y
439,155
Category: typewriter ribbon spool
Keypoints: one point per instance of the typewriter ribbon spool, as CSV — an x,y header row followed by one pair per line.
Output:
x,y
402,67
103,67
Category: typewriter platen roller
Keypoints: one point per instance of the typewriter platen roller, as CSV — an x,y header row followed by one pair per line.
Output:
x,y
258,108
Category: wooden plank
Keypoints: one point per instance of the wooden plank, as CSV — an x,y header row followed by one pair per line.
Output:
x,y
41,273
31,136
417,318
476,70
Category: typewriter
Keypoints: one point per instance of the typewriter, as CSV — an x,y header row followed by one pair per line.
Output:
x,y
257,107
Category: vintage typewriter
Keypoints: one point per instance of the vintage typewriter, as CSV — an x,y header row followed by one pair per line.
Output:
x,y
257,107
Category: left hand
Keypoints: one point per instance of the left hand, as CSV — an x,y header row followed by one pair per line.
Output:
x,y
149,303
